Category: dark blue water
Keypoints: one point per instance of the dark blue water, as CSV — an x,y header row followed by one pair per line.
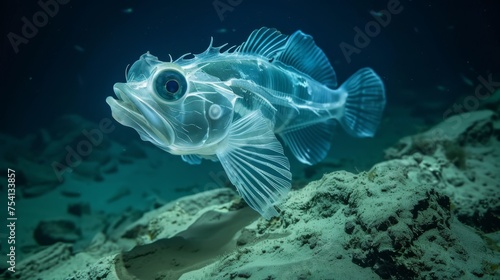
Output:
x,y
71,62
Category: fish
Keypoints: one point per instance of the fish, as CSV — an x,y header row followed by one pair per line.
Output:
x,y
232,105
376,13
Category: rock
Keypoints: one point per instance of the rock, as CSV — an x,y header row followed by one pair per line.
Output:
x,y
456,129
133,150
79,209
381,220
38,178
208,237
12,148
77,146
492,102
51,232
110,167
120,193
320,167
90,170
429,212
177,215
48,258
71,146
103,270
465,150
71,193
73,131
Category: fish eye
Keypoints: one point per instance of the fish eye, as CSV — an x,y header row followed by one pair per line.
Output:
x,y
170,85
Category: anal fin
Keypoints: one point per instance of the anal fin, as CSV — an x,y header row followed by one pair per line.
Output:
x,y
310,144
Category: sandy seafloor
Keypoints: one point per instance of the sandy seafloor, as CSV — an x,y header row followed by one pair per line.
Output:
x,y
416,202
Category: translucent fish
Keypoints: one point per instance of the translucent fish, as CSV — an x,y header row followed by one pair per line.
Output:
x,y
232,105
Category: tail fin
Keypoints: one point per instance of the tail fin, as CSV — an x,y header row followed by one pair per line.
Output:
x,y
365,103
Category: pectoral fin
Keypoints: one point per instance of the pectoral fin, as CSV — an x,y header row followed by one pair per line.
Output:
x,y
254,162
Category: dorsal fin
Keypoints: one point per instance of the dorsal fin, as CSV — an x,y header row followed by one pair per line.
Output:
x,y
298,51
266,42
302,54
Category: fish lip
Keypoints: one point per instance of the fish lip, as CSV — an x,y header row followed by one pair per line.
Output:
x,y
125,104
123,97
126,100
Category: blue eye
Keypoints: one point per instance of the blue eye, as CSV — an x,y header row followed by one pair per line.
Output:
x,y
170,85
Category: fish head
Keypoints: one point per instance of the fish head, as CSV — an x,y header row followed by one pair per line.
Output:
x,y
178,108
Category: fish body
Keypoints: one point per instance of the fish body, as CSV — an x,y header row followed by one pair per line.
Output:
x,y
230,105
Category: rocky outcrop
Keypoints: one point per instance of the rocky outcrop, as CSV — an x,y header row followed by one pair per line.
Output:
x,y
429,212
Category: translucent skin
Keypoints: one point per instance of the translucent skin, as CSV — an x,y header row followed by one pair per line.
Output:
x,y
229,106
185,126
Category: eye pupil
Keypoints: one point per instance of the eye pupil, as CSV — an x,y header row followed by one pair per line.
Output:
x,y
172,86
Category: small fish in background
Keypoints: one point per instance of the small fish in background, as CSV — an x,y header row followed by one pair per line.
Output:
x,y
127,11
229,106
376,14
466,80
224,30
221,30
442,88
78,48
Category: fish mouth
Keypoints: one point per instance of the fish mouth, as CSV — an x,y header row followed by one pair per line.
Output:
x,y
123,108
131,111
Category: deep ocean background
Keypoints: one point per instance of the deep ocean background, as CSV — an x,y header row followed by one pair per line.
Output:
x,y
73,61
